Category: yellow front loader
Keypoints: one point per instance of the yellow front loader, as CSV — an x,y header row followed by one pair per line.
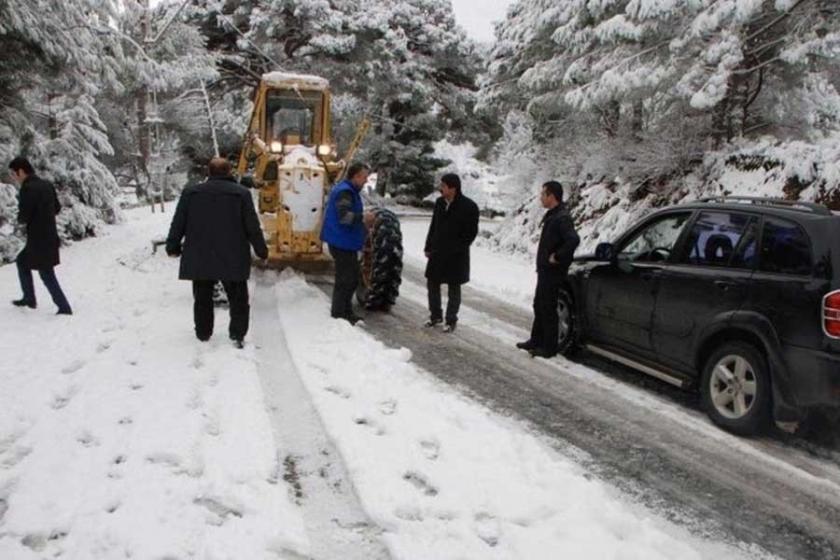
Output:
x,y
289,154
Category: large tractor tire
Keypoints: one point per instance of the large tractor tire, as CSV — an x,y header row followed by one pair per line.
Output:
x,y
382,269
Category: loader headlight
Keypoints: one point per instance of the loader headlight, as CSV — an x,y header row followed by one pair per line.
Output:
x,y
324,150
277,147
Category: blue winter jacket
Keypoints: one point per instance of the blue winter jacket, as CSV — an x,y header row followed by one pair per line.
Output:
x,y
344,230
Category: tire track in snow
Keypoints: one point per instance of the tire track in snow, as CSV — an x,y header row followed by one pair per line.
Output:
x,y
336,524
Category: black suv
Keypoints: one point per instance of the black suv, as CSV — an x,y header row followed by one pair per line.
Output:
x,y
739,296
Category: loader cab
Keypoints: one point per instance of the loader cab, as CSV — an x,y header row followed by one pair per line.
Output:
x,y
295,118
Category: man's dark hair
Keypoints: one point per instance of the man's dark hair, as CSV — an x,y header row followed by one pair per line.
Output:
x,y
555,189
355,168
21,164
219,167
452,181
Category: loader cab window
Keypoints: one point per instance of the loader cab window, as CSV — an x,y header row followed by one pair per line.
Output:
x,y
294,117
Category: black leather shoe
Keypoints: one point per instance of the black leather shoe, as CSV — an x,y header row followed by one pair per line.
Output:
x,y
239,343
23,303
203,337
527,345
432,323
541,353
449,327
64,312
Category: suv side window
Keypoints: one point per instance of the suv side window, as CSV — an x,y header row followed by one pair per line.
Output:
x,y
715,239
655,242
785,248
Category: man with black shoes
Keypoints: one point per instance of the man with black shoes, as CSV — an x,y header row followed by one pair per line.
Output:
x,y
37,208
344,231
558,241
453,228
218,222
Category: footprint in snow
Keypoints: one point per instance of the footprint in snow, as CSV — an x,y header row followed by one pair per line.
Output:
x,y
13,456
373,425
420,482
73,367
343,393
62,399
87,439
103,346
388,407
430,448
487,528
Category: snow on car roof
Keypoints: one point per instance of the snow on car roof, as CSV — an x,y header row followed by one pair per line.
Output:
x,y
287,79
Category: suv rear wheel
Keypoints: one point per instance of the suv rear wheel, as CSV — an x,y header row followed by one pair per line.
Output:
x,y
736,388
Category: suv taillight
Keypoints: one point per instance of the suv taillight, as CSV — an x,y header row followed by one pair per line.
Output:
x,y
831,314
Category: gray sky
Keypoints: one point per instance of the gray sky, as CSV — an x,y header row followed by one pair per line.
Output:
x,y
477,16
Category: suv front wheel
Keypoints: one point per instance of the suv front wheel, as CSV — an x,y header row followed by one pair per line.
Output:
x,y
567,324
736,388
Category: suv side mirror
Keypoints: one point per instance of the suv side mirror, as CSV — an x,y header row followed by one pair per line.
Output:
x,y
605,252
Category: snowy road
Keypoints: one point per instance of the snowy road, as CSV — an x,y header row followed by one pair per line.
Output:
x,y
123,436
654,444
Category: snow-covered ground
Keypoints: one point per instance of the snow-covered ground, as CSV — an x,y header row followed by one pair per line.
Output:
x,y
123,436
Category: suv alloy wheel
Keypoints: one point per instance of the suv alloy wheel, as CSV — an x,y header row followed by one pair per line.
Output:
x,y
567,327
736,388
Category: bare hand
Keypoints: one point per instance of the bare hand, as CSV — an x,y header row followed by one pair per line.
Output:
x,y
552,259
369,218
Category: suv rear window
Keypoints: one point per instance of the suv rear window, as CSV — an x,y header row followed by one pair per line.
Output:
x,y
785,248
717,237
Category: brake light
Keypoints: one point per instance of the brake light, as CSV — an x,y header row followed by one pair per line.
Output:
x,y
831,314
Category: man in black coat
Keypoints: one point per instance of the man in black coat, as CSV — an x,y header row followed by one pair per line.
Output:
x,y
453,229
558,241
218,221
37,208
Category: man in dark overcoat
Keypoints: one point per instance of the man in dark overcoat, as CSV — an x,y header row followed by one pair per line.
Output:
x,y
37,208
556,249
218,224
453,229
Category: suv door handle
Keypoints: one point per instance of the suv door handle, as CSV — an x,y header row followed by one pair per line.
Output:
x,y
725,285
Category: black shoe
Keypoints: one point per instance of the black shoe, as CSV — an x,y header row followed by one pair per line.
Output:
x,y
432,323
24,303
541,353
527,345
449,327
64,312
238,343
203,337
356,320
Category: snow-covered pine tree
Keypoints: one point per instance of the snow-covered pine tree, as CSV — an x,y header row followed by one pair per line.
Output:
x,y
405,62
53,61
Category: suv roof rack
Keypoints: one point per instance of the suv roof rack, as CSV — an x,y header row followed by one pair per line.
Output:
x,y
811,207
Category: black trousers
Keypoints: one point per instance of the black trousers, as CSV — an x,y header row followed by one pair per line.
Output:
x,y
240,309
545,329
453,302
347,273
47,275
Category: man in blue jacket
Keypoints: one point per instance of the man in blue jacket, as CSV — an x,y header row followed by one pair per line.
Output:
x,y
344,231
